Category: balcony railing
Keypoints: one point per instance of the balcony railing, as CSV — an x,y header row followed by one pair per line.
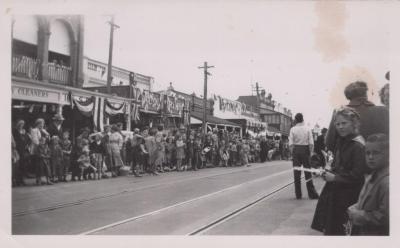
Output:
x,y
59,73
24,66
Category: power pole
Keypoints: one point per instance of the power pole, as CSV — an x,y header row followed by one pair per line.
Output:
x,y
110,53
206,74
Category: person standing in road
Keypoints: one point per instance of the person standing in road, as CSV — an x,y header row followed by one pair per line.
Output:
x,y
301,144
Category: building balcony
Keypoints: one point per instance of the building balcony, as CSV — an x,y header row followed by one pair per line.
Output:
x,y
59,74
27,67
23,66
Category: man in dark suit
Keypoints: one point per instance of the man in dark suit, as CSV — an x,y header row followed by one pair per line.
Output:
x,y
373,119
55,128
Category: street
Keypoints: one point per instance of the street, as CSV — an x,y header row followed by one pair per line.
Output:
x,y
256,200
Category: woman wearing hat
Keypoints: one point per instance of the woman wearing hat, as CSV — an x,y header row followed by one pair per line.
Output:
x,y
55,128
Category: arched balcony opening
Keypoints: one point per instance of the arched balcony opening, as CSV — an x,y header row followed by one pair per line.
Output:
x,y
59,53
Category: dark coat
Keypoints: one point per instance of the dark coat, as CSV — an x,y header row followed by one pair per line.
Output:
x,y
53,131
349,165
22,142
374,119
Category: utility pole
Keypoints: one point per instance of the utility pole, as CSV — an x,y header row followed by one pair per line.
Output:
x,y
206,74
110,53
257,89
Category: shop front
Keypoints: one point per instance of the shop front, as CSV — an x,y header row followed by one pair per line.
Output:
x,y
237,112
37,100
80,108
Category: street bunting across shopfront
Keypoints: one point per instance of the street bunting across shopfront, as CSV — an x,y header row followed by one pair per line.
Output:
x,y
84,104
112,108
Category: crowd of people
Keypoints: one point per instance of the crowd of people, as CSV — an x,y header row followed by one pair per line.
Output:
x,y
355,197
49,153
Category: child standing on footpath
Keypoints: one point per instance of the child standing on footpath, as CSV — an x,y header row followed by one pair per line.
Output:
x,y
66,147
97,152
233,153
180,153
370,215
44,162
56,158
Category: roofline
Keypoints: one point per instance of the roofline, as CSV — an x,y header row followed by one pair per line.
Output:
x,y
117,67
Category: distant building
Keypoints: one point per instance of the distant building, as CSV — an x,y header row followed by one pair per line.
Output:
x,y
95,75
279,119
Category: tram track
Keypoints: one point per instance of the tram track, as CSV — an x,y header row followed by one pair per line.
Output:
x,y
121,192
211,224
236,212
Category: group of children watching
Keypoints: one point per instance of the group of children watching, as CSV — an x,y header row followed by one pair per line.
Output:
x,y
149,150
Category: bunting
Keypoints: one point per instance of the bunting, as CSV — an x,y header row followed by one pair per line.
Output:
x,y
112,109
84,104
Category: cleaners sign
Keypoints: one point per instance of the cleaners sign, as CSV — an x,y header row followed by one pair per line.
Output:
x,y
37,94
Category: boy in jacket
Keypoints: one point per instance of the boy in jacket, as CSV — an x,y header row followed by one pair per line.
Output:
x,y
370,215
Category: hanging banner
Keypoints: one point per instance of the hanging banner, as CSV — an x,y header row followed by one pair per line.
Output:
x,y
84,104
112,109
98,113
231,106
180,105
136,94
186,112
150,101
135,112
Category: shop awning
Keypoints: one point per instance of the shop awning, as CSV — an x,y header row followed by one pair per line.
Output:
x,y
250,122
198,119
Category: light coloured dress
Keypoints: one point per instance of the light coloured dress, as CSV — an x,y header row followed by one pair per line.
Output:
x,y
116,142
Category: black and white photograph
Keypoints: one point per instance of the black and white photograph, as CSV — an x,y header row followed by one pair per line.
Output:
x,y
216,119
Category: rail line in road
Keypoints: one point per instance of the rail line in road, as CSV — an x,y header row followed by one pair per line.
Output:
x,y
125,191
236,212
135,218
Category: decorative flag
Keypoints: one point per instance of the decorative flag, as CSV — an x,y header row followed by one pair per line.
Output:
x,y
98,113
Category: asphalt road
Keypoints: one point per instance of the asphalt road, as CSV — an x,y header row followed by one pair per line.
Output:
x,y
174,203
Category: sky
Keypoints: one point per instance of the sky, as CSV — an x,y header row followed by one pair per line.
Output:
x,y
302,52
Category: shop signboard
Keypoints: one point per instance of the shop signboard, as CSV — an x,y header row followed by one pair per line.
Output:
x,y
171,107
150,101
35,93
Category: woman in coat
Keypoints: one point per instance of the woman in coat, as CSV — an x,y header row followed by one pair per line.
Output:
x,y
345,180
116,143
22,142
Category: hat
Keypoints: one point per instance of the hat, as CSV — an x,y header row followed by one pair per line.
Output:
x,y
58,117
